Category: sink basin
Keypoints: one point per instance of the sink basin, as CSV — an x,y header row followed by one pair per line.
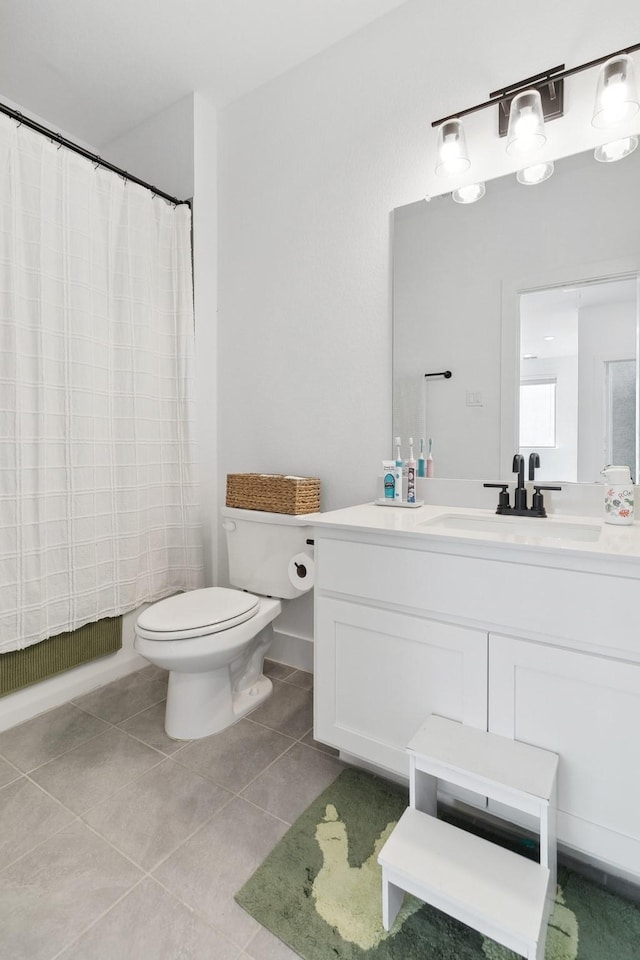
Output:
x,y
529,528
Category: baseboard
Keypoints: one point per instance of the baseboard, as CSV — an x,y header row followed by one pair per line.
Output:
x,y
296,651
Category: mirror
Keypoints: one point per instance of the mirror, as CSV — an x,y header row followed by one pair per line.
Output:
x,y
477,287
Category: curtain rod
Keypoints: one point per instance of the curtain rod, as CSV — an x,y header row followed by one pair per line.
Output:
x,y
76,148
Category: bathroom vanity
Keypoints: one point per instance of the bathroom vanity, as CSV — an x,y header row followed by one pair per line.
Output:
x,y
529,628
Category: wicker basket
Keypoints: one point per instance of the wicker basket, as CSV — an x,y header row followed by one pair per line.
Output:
x,y
273,493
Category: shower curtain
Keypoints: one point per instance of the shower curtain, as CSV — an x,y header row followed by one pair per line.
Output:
x,y
98,499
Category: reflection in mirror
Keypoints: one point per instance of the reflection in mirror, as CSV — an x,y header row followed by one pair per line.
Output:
x,y
474,285
578,378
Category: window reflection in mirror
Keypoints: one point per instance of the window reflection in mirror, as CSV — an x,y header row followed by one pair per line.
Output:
x,y
579,394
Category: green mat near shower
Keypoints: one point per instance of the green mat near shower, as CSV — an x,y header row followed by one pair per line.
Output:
x,y
319,891
21,668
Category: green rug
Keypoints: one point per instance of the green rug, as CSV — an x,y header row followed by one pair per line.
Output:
x,y
319,892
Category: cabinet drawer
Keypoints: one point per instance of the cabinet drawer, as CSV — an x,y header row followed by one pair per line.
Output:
x,y
530,601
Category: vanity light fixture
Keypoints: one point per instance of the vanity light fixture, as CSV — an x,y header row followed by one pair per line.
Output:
x,y
470,193
524,107
535,174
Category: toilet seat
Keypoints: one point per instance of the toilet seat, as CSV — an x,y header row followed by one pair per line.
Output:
x,y
196,613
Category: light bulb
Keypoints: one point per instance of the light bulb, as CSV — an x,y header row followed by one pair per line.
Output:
x,y
537,173
616,94
452,156
470,193
526,123
614,99
616,150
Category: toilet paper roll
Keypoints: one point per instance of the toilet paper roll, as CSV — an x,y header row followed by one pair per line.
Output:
x,y
301,572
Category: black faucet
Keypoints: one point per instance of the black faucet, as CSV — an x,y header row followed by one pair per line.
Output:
x,y
534,461
520,499
519,508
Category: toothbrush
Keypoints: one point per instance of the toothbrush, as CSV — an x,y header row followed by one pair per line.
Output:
x,y
399,466
430,460
411,474
421,462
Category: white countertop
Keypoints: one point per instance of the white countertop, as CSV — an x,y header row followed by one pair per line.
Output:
x,y
421,525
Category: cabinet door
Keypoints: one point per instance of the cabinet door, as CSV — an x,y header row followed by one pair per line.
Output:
x,y
587,709
379,674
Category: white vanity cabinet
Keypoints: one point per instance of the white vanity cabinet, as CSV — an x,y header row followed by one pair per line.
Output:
x,y
539,645
586,708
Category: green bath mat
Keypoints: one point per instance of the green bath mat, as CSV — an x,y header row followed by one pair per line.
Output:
x,y
319,892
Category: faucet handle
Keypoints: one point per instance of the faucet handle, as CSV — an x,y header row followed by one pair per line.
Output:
x,y
503,496
537,503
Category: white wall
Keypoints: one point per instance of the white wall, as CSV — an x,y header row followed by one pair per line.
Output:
x,y
205,274
160,151
607,332
311,166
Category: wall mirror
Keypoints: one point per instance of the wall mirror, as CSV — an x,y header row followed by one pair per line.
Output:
x,y
530,298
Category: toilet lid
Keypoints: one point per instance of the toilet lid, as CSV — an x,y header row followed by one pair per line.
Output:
x,y
212,609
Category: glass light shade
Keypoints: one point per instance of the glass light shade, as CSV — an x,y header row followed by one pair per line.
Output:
x,y
616,95
452,156
470,193
526,124
617,150
537,173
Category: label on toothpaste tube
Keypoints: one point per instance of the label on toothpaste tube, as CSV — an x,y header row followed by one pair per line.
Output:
x,y
388,477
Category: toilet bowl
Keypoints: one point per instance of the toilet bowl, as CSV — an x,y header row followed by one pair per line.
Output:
x,y
213,641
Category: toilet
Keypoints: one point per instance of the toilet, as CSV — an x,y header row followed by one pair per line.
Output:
x,y
213,641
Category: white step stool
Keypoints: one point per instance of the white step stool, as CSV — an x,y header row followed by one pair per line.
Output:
x,y
501,894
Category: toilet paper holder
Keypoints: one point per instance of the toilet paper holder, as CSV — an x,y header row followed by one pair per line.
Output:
x,y
302,572
302,568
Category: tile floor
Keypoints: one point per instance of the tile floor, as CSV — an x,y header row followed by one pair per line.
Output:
x,y
117,842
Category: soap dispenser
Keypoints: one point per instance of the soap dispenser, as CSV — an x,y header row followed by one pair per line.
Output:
x,y
618,494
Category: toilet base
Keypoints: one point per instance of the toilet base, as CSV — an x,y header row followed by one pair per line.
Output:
x,y
244,701
200,704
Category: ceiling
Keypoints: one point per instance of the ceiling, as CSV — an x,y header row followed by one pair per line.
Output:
x,y
549,319
95,69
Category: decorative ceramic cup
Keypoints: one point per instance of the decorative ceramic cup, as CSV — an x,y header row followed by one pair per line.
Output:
x,y
618,495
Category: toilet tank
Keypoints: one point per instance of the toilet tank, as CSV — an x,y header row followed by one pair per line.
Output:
x,y
261,548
